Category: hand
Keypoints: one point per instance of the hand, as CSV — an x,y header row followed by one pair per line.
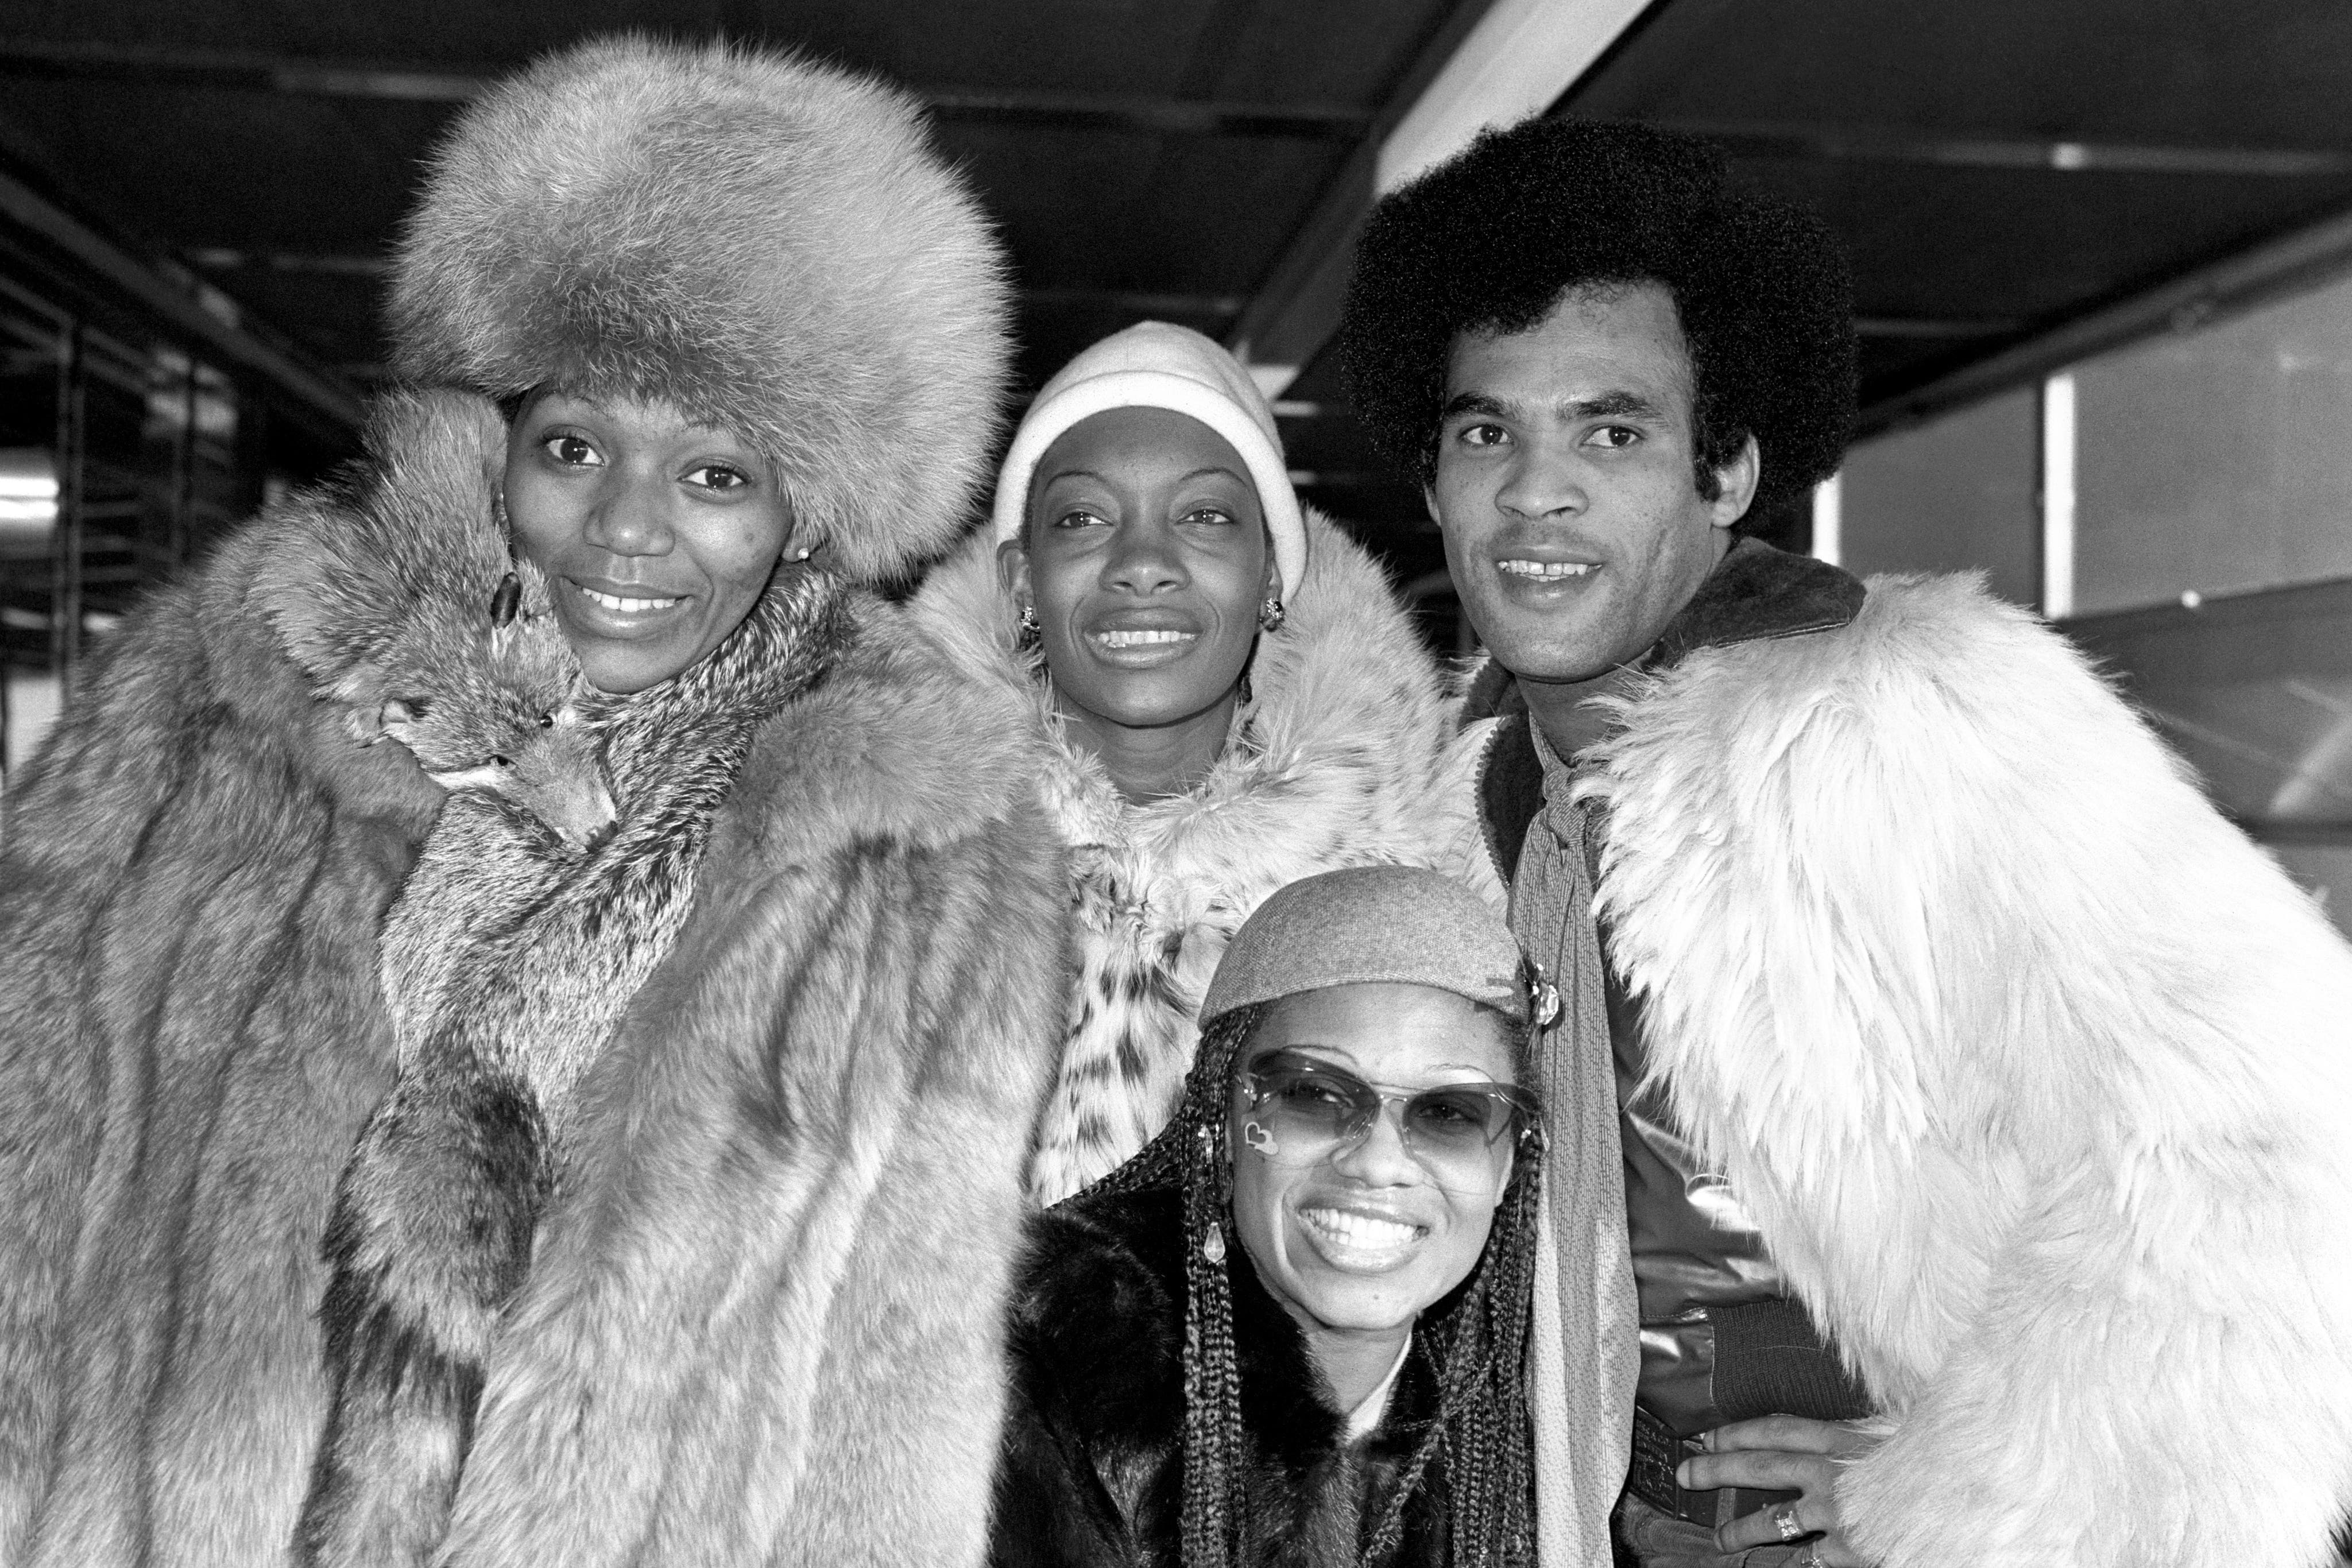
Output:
x,y
1782,1453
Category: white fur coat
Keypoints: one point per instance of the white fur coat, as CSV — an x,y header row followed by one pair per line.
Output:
x,y
2035,1072
1340,758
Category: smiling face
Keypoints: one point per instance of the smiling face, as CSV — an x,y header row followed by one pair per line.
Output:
x,y
656,536
1367,1241
1566,487
1145,558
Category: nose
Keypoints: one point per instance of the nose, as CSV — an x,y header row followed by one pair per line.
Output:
x,y
1379,1158
1544,481
1144,560
630,514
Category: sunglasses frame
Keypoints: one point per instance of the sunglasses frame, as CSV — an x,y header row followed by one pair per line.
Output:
x,y
1525,1112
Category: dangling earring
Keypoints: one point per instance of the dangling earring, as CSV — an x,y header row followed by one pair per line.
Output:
x,y
1033,631
1271,615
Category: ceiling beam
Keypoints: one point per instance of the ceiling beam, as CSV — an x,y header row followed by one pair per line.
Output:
x,y
1496,61
201,317
1925,328
230,71
1889,144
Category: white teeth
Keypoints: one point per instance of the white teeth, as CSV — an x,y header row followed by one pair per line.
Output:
x,y
1361,1231
1144,639
1547,569
628,606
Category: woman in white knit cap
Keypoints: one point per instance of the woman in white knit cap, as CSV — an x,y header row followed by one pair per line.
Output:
x,y
1227,694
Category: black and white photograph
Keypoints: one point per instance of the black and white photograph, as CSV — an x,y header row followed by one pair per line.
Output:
x,y
1176,784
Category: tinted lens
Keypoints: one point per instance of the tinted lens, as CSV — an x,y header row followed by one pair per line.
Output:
x,y
1310,1109
1457,1117
1306,1113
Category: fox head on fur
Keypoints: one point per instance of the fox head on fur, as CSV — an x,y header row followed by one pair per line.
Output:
x,y
491,704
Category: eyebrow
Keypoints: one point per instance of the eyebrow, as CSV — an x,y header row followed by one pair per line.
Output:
x,y
1350,1064
1616,404
1059,474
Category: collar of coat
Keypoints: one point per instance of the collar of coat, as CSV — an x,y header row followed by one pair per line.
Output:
x,y
1755,593
1346,729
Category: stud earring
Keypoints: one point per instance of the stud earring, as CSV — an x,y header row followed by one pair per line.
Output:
x,y
1032,630
1271,615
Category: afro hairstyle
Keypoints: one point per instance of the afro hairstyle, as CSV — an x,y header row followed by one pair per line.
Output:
x,y
1489,240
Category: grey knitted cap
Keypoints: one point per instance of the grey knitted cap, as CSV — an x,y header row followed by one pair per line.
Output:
x,y
1366,925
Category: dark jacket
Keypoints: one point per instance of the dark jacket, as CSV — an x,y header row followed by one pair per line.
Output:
x,y
1721,1340
1093,1465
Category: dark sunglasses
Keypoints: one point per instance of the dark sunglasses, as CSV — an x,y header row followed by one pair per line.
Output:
x,y
1303,1112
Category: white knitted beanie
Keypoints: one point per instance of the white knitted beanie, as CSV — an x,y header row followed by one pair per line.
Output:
x,y
1156,365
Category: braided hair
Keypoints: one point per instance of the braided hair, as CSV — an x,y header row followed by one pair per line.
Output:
x,y
1475,1346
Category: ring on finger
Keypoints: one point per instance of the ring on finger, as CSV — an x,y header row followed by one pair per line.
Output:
x,y
1812,1558
1785,1520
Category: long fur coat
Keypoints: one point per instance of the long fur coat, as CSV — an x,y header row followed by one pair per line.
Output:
x,y
1340,759
2035,1073
760,1322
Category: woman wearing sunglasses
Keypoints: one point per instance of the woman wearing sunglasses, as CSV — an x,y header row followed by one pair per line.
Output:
x,y
1291,1329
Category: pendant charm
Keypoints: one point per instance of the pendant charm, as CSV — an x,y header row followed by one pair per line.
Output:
x,y
1543,997
1214,1248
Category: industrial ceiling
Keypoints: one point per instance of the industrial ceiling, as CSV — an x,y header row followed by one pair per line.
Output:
x,y
2015,179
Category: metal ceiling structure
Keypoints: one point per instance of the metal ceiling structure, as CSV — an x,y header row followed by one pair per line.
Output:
x,y
2001,170
2014,179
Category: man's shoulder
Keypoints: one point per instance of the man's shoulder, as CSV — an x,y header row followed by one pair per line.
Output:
x,y
1904,628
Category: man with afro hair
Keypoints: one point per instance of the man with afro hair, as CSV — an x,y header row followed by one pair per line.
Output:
x,y
1921,1021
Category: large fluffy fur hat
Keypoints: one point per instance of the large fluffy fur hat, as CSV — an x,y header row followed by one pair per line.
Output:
x,y
766,244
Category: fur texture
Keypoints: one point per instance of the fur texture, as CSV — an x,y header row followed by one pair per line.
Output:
x,y
2035,1073
452,652
757,1323
766,245
508,961
191,1032
1341,758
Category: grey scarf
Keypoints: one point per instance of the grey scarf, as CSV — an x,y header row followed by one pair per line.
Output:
x,y
1586,1349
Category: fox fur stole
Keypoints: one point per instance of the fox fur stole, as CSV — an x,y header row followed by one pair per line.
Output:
x,y
759,1315
2035,1073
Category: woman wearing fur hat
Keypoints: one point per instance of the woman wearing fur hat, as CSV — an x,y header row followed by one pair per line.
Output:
x,y
1227,695
1291,1331
646,1192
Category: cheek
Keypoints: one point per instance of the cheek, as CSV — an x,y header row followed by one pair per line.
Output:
x,y
1056,583
741,553
541,523
1257,1208
1465,1238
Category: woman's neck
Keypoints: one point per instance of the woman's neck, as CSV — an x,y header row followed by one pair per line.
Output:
x,y
1154,763
1355,1362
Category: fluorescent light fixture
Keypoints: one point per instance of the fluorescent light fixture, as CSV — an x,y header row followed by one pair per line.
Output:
x,y
2058,497
28,495
1829,520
